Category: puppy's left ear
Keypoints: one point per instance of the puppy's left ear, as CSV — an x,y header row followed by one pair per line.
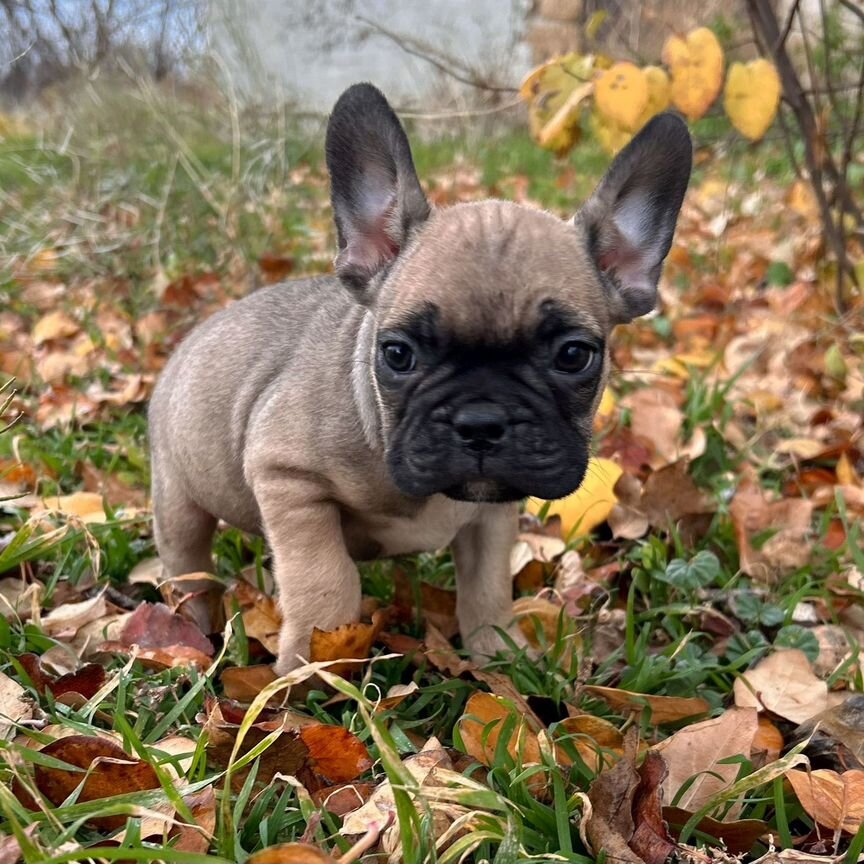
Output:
x,y
630,218
376,195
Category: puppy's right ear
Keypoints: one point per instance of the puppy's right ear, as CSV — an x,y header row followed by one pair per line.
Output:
x,y
375,192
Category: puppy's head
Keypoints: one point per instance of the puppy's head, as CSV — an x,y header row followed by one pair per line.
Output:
x,y
492,319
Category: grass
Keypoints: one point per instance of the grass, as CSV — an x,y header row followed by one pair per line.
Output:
x,y
131,191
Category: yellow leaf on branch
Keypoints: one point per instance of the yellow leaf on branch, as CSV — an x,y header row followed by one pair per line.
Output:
x,y
621,94
752,96
696,64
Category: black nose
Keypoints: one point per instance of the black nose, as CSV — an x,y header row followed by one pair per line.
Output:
x,y
480,425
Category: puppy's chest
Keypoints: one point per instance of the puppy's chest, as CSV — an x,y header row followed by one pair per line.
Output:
x,y
431,526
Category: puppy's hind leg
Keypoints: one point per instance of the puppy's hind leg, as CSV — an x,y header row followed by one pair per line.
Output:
x,y
183,531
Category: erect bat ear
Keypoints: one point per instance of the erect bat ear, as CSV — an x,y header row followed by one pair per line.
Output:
x,y
376,195
630,218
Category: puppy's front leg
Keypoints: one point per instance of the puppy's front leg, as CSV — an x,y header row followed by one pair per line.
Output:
x,y
318,583
484,587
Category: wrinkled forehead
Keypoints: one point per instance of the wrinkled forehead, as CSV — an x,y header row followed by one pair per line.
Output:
x,y
496,272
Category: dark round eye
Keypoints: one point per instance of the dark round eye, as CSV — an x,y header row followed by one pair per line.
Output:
x,y
398,356
575,357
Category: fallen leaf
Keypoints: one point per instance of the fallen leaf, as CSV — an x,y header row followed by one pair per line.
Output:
x,y
783,683
53,326
335,754
598,741
752,96
291,853
589,505
71,617
154,625
697,751
836,734
86,506
437,605
483,723
664,709
831,799
656,418
197,838
610,824
738,836
107,770
350,641
244,683
275,268
260,614
14,706
650,839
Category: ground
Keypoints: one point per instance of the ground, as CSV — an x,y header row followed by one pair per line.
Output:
x,y
701,599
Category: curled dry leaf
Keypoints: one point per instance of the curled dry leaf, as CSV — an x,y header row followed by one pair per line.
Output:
x,y
86,506
107,770
18,598
598,741
196,838
831,799
697,751
651,840
836,735
350,641
664,709
784,684
86,681
610,825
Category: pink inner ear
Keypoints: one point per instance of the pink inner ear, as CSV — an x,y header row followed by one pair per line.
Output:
x,y
373,245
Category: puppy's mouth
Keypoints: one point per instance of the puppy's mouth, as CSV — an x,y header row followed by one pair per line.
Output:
x,y
483,491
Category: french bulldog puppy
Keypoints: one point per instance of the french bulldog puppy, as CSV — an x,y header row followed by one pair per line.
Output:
x,y
449,368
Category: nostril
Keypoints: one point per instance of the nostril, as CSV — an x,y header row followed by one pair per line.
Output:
x,y
480,425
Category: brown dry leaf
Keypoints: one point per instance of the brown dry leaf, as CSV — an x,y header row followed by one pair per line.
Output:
x,y
180,747
380,809
671,494
18,598
350,641
698,750
656,418
86,681
110,771
196,838
14,706
610,825
260,614
154,625
664,709
651,840
831,799
244,683
54,325
481,728
767,743
291,853
159,658
696,64
275,267
837,733
783,683
68,619
752,513
738,836
437,605
335,754
442,655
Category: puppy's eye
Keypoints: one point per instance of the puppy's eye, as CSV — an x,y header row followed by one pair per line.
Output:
x,y
576,357
398,356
